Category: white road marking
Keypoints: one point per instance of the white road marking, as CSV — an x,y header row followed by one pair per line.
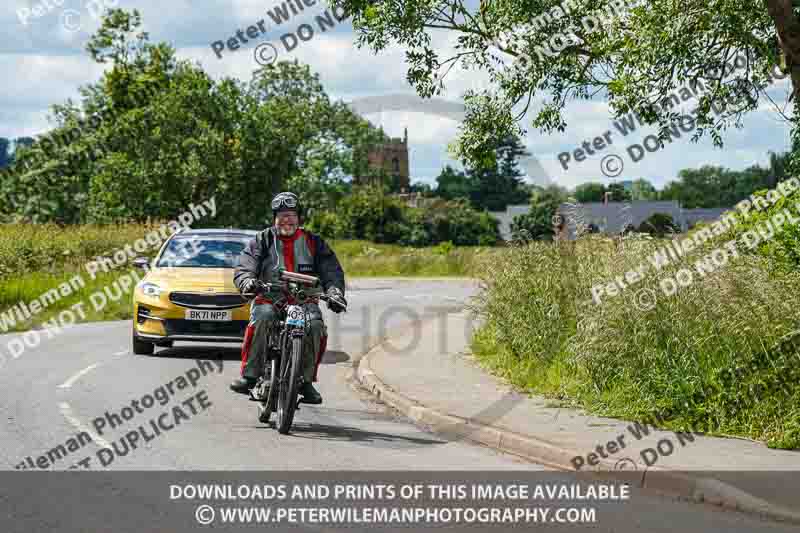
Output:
x,y
66,410
123,352
67,384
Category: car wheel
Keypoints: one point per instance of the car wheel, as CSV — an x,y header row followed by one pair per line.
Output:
x,y
142,348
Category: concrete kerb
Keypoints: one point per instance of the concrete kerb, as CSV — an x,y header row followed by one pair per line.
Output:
x,y
660,480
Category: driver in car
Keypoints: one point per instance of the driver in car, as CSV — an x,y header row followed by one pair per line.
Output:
x,y
285,245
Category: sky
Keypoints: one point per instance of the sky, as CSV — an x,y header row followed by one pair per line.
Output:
x,y
43,58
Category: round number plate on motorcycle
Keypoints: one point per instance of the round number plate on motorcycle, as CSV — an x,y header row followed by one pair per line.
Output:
x,y
295,316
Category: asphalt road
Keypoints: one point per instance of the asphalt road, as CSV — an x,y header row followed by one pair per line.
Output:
x,y
68,383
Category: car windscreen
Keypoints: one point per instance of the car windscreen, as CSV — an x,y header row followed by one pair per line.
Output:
x,y
203,251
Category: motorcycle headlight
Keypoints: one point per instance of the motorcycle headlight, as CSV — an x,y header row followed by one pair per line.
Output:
x,y
151,289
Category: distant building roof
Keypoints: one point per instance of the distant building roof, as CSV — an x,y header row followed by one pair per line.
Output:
x,y
612,217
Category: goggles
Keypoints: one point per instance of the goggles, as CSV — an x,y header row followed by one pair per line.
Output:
x,y
281,201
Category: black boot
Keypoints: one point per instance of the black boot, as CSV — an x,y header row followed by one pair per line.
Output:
x,y
310,394
243,384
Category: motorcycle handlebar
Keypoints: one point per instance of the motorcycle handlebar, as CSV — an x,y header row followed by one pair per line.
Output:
x,y
266,287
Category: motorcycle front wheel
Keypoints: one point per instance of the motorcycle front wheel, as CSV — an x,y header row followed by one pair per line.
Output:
x,y
287,386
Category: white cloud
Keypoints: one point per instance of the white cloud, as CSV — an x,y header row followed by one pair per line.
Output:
x,y
45,64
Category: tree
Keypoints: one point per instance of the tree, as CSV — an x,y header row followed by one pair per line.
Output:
x,y
643,190
25,142
14,147
457,222
535,50
421,187
659,224
712,186
373,215
5,152
590,192
452,184
497,183
671,191
370,213
155,134
538,223
508,153
492,185
778,168
617,193
334,152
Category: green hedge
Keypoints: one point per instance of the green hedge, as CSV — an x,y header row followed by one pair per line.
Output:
x,y
372,215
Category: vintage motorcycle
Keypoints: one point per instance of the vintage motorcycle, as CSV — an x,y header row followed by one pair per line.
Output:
x,y
282,375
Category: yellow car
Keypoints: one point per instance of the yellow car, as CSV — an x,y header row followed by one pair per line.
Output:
x,y
188,293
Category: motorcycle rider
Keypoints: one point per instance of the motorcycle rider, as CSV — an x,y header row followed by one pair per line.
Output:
x,y
288,246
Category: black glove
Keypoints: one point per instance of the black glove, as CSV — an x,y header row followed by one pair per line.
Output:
x,y
249,285
336,303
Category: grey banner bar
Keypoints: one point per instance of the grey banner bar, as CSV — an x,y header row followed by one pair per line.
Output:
x,y
121,502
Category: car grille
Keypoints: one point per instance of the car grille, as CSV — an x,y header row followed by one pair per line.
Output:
x,y
235,328
194,300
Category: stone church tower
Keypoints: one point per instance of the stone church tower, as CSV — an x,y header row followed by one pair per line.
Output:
x,y
392,157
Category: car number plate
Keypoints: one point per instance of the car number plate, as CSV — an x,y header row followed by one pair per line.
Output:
x,y
217,316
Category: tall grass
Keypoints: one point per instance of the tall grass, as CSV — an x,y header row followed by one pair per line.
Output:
x,y
721,355
29,248
32,286
35,258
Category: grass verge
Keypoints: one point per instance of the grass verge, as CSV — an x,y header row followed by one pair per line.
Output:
x,y
37,258
720,356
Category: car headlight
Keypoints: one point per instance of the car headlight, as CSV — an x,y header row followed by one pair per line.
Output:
x,y
150,289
